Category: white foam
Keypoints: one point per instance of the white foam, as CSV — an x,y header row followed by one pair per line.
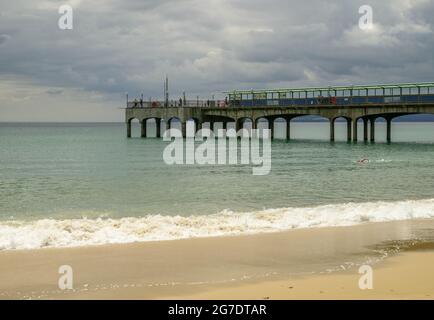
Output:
x,y
83,232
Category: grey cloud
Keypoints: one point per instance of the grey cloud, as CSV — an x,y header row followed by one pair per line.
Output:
x,y
54,91
210,46
4,38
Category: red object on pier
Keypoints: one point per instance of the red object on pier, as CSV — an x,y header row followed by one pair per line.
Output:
x,y
333,100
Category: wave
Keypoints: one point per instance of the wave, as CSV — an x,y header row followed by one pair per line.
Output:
x,y
48,233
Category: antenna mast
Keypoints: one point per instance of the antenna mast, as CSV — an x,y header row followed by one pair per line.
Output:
x,y
166,91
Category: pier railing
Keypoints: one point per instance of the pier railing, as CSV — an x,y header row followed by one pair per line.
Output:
x,y
392,94
177,104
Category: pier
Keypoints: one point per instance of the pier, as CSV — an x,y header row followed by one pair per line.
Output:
x,y
353,104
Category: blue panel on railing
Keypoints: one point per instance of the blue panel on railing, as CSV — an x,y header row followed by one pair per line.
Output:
x,y
411,99
427,98
375,99
246,103
343,100
339,101
285,102
311,101
359,100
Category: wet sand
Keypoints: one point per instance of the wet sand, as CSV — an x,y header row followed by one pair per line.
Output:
x,y
300,264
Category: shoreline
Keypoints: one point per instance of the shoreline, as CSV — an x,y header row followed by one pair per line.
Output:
x,y
218,268
84,232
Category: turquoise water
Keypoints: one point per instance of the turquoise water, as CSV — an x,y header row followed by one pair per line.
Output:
x,y
72,171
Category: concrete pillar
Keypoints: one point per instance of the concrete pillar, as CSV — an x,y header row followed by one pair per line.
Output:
x,y
184,129
372,120
288,129
355,130
365,129
198,126
143,134
238,125
129,129
349,129
158,127
332,130
224,128
256,121
389,129
271,127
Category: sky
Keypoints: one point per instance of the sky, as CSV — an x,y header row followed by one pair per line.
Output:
x,y
204,46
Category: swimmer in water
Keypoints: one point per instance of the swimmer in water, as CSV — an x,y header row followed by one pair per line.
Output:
x,y
363,161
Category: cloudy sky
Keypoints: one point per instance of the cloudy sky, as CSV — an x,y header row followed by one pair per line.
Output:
x,y
205,46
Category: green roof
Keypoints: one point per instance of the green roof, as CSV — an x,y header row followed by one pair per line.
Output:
x,y
356,87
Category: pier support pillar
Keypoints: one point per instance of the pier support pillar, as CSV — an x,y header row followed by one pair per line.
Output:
x,y
389,130
288,129
271,127
129,129
158,127
349,130
225,126
143,133
372,120
197,126
332,130
184,129
256,122
355,130
238,126
252,129
365,129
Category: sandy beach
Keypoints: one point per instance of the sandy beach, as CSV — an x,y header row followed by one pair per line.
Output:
x,y
406,276
301,264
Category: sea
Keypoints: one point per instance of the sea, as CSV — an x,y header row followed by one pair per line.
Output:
x,y
81,184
